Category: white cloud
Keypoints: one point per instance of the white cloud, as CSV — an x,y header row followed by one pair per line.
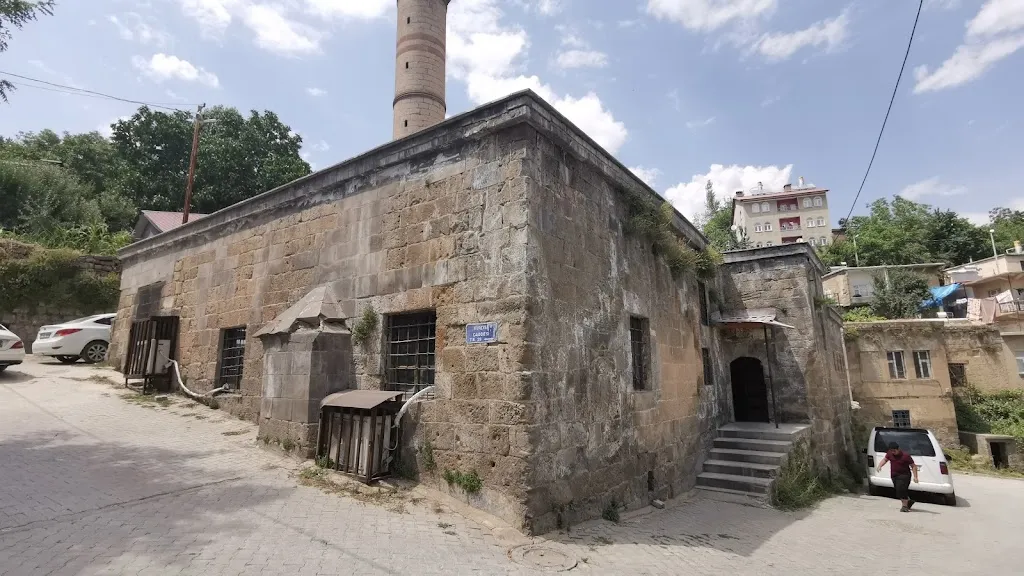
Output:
x,y
321,146
277,33
996,17
162,67
709,15
581,59
968,63
694,124
134,28
648,175
688,197
827,33
316,92
213,16
543,7
107,130
931,187
976,218
350,9
992,35
487,55
941,4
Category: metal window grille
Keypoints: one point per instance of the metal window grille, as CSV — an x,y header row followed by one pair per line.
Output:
x,y
923,363
638,344
958,375
232,356
703,290
709,370
897,369
410,351
901,418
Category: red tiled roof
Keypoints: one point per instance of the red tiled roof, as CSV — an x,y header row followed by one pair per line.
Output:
x,y
165,221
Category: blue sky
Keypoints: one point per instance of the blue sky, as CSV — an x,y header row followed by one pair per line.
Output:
x,y
736,91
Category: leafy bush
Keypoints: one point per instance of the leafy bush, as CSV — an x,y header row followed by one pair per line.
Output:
x,y
799,484
51,277
364,327
993,413
470,482
611,512
861,314
899,293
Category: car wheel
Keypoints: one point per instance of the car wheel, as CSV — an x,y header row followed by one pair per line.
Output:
x,y
872,489
67,359
950,499
95,351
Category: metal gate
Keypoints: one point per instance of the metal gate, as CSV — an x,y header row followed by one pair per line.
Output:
x,y
151,343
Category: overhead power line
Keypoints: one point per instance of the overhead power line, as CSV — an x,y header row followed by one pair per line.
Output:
x,y
65,89
895,89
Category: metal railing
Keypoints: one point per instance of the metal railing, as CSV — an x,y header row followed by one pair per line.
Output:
x,y
1011,307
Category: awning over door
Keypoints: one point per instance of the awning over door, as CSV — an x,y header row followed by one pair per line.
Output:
x,y
360,399
753,318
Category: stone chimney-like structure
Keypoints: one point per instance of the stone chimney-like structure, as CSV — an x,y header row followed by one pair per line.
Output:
x,y
419,67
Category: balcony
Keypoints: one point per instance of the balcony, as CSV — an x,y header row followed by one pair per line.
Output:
x,y
1011,307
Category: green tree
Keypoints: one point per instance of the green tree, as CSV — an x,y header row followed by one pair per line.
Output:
x,y
39,198
238,157
955,240
1009,227
716,223
17,13
899,293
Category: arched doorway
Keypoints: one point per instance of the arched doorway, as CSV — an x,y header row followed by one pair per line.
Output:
x,y
749,392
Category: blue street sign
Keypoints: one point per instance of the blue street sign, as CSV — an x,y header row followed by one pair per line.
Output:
x,y
482,333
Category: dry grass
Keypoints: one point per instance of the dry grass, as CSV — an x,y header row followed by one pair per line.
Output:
x,y
326,481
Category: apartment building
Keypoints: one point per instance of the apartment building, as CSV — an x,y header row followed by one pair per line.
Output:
x,y
855,286
794,214
994,289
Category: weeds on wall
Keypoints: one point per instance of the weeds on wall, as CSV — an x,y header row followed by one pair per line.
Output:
x,y
365,326
799,484
51,276
611,512
427,453
655,224
471,483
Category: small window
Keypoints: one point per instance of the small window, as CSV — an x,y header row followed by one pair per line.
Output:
x,y
709,370
901,418
703,291
783,208
766,207
923,364
822,241
1020,363
408,20
759,245
807,202
406,123
232,357
958,375
821,222
811,241
818,201
410,347
768,227
757,228
638,341
810,223
767,243
993,293
756,208
897,369
406,65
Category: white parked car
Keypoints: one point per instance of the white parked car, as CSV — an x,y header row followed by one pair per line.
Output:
x,y
932,465
12,349
86,338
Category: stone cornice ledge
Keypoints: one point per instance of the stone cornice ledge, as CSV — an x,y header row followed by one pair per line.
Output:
x,y
370,170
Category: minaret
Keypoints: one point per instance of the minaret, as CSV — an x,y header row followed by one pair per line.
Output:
x,y
419,67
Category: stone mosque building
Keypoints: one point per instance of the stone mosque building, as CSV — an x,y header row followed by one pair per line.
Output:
x,y
489,256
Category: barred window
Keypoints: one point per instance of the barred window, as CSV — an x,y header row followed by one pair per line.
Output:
x,y
901,418
410,350
957,375
232,357
704,313
638,342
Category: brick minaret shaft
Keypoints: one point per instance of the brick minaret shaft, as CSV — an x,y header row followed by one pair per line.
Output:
x,y
419,67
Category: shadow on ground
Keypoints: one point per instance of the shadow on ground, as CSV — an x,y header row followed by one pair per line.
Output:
x,y
702,522
12,375
83,503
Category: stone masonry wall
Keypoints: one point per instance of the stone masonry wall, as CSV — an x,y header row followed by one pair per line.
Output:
x,y
806,361
597,441
424,234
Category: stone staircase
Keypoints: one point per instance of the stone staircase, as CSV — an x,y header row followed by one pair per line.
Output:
x,y
746,456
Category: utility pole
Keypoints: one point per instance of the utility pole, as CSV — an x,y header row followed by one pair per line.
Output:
x,y
192,163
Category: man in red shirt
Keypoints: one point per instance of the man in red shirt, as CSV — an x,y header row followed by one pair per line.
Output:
x,y
901,466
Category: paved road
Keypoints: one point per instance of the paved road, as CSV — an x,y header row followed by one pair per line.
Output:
x,y
93,483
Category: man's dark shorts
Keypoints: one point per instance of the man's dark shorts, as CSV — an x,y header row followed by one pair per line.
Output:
x,y
902,485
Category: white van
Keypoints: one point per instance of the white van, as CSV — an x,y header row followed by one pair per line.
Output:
x,y
932,465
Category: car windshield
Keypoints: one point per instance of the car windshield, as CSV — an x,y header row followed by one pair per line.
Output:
x,y
916,443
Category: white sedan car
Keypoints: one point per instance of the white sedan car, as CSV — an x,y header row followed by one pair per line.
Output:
x,y
86,338
12,349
